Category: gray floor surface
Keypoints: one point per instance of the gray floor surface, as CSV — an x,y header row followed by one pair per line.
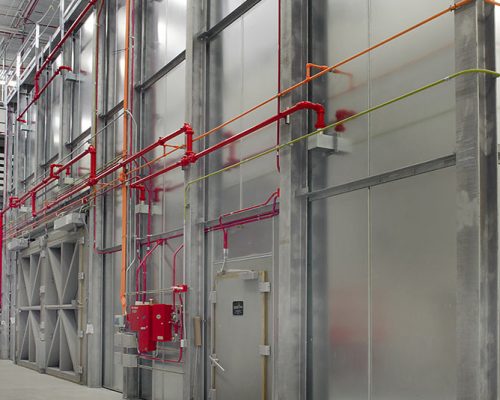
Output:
x,y
19,383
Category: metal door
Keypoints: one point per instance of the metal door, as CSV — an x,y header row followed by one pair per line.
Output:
x,y
30,345
240,351
63,308
51,310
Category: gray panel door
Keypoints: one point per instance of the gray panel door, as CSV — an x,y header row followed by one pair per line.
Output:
x,y
239,322
51,292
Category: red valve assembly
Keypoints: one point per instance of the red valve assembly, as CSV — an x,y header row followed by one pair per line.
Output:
x,y
153,323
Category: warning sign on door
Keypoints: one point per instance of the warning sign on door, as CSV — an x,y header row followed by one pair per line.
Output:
x,y
237,308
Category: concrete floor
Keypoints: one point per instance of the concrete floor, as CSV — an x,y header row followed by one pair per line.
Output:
x,y
19,383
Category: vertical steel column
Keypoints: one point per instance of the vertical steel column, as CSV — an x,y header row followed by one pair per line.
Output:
x,y
10,258
96,261
477,213
318,374
5,311
290,349
131,375
194,237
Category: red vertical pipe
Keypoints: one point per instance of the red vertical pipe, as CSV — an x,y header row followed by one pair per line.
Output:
x,y
93,165
189,139
33,204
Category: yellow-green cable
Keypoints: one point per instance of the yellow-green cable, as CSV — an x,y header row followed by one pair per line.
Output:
x,y
333,125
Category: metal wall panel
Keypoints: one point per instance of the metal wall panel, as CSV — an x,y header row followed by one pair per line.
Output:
x,y
221,8
164,114
409,126
53,134
339,290
27,142
85,85
413,257
165,33
168,383
255,238
497,57
112,371
243,72
423,56
116,60
337,41
260,81
384,296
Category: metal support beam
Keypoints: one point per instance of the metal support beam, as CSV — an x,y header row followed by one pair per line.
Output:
x,y
175,62
96,214
386,177
5,325
194,237
290,356
4,312
227,20
477,213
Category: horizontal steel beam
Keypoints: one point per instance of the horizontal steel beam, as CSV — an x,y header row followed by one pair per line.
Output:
x,y
391,176
228,20
176,61
118,107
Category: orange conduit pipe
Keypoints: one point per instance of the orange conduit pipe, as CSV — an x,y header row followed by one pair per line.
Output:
x,y
310,66
451,8
123,175
495,3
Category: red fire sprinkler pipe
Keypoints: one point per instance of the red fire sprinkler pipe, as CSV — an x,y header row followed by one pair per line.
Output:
x,y
33,204
55,171
57,72
273,197
90,181
191,157
144,151
303,105
39,92
51,56
59,45
94,178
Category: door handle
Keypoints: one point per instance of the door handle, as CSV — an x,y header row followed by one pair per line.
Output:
x,y
215,361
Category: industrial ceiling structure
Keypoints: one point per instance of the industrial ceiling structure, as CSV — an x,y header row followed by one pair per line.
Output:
x,y
18,19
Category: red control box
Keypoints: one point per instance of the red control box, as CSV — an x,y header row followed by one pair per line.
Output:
x,y
161,321
153,323
140,321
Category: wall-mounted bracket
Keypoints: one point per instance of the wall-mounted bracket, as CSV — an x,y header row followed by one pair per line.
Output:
x,y
329,143
72,77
